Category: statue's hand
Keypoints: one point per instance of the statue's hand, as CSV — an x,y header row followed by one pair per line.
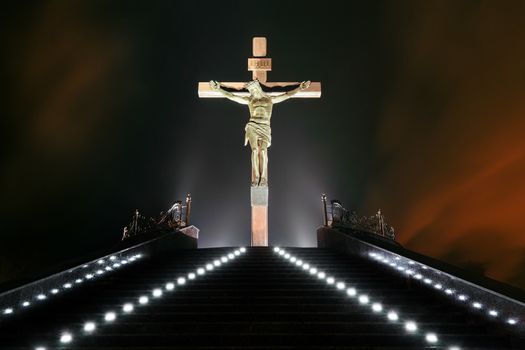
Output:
x,y
305,84
215,85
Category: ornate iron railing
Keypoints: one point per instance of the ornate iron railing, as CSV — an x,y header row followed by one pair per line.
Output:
x,y
336,215
177,217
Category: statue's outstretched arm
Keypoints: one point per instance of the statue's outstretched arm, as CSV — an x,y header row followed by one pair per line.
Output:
x,y
287,95
215,85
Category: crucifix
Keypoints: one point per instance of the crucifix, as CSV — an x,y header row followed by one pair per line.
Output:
x,y
260,96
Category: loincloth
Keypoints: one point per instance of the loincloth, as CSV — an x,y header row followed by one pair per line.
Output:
x,y
263,132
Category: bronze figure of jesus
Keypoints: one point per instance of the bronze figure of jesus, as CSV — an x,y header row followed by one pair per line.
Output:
x,y
258,131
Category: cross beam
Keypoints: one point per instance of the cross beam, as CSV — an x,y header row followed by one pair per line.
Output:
x,y
259,65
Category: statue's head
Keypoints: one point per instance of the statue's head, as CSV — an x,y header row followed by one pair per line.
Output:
x,y
254,87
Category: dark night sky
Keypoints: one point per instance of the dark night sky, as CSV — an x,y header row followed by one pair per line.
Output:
x,y
422,115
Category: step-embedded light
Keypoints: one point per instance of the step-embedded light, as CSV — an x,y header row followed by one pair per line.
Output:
x,y
89,327
127,308
110,316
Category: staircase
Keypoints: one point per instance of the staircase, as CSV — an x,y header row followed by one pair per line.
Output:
x,y
260,299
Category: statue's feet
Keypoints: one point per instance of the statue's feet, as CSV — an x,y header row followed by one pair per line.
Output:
x,y
255,182
263,182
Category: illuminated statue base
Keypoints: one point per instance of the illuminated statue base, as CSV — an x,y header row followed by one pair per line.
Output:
x,y
259,202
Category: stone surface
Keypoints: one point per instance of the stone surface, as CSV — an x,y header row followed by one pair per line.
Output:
x,y
259,195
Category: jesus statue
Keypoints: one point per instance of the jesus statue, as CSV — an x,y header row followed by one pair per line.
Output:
x,y
258,131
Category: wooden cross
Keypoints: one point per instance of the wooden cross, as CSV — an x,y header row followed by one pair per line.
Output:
x,y
259,65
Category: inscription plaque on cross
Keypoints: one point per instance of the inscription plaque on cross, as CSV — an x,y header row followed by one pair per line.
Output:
x,y
260,96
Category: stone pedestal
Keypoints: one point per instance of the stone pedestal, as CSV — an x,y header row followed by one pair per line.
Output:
x,y
259,202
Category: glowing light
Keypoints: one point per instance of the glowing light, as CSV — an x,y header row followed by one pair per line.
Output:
x,y
493,313
462,297
231,256
143,300
67,285
170,286
181,281
209,267
100,272
79,280
477,305
512,321
351,292
127,308
321,275
363,299
313,271
89,276
100,262
427,280
418,276
41,296
438,286
392,316
89,327
330,280
410,326
26,303
157,293
449,291
299,263
108,268
237,252
276,249
40,348
113,257
110,316
287,256
224,259
217,263
281,252
454,348
8,311
191,276
243,250
293,259
66,338
54,291
306,266
340,285
376,307
431,338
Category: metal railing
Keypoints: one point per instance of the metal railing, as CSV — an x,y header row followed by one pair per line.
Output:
x,y
177,217
335,215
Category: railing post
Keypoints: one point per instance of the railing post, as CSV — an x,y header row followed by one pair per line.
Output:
x,y
325,212
188,209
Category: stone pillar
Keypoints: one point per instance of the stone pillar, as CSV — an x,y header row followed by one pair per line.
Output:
x,y
259,202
